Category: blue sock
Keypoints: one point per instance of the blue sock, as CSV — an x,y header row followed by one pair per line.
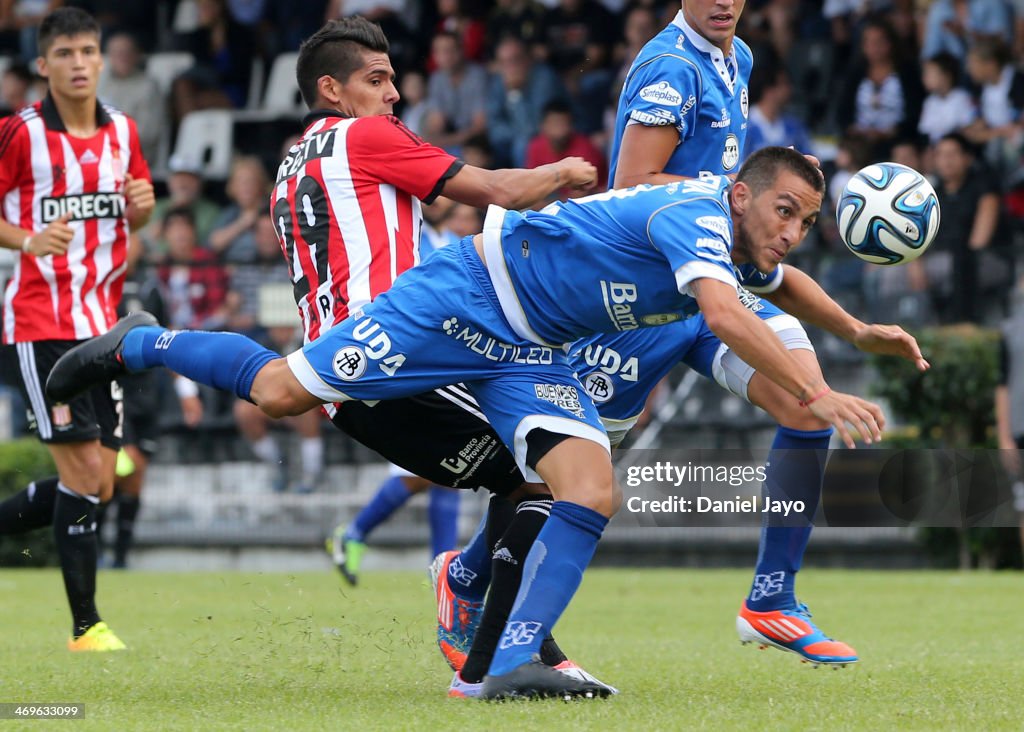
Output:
x,y
552,572
225,361
443,514
390,497
470,572
794,473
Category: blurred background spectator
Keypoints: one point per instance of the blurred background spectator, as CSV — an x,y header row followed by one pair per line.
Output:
x,y
193,284
557,139
125,85
881,94
233,235
518,93
15,87
455,95
948,107
769,122
954,25
223,50
184,191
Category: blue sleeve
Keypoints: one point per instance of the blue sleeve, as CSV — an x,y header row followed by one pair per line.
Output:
x,y
695,236
757,282
664,91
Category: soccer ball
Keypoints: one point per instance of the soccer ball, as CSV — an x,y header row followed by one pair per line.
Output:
x,y
888,214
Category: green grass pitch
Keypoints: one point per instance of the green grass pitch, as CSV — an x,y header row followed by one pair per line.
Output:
x,y
300,652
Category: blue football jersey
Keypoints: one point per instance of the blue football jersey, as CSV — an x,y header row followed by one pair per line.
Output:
x,y
618,260
680,79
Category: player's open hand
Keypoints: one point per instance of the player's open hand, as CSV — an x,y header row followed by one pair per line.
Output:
x,y
54,239
840,410
577,173
891,340
138,193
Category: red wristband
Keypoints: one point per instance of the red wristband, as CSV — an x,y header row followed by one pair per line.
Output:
x,y
816,397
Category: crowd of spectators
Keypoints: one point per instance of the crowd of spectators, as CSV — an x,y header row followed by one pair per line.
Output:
x,y
934,83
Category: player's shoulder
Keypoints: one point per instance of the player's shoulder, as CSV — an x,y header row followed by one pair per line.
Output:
x,y
15,125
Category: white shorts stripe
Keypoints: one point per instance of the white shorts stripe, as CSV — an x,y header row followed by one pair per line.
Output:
x,y
460,401
30,375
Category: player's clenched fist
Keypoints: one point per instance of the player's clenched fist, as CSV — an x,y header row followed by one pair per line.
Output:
x,y
138,193
54,239
577,173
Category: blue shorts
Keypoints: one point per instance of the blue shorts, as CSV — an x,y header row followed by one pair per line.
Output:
x,y
619,370
441,324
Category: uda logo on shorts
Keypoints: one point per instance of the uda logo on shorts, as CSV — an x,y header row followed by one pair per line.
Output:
x,y
349,363
599,386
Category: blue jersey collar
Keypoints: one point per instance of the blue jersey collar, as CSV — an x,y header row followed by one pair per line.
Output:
x,y
705,46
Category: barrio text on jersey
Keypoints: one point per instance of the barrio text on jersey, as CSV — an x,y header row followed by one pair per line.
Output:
x,y
83,206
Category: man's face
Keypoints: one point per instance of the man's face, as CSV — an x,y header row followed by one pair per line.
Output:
x,y
771,224
513,64
122,55
950,161
72,66
370,91
557,128
446,53
714,19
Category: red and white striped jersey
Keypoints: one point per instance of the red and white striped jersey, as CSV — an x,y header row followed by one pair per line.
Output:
x,y
346,205
44,174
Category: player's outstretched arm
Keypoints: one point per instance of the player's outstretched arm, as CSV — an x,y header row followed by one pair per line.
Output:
x,y
803,298
757,344
517,187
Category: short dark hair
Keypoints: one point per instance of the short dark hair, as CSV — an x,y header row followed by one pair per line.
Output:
x,y
336,50
178,213
764,166
556,106
960,140
947,63
65,22
21,72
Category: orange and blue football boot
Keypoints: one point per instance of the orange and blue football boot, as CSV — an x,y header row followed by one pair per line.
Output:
x,y
792,630
457,617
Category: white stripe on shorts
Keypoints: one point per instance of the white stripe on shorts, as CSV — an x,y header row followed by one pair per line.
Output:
x,y
30,375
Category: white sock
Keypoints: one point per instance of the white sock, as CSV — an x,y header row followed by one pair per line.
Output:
x,y
312,450
266,449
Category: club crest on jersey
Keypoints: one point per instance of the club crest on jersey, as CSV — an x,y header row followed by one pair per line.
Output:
x,y
731,153
661,93
744,102
599,387
349,363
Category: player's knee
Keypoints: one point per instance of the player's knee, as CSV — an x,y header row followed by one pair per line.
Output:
x,y
796,417
598,494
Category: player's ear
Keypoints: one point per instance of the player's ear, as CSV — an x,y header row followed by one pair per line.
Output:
x,y
41,66
329,88
739,197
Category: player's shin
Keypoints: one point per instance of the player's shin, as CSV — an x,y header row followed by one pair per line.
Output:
x,y
225,361
795,470
74,531
507,562
443,515
552,573
30,509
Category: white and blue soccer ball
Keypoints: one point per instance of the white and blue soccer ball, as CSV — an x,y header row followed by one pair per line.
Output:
x,y
888,214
